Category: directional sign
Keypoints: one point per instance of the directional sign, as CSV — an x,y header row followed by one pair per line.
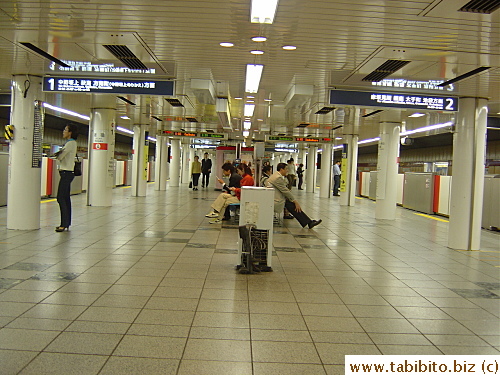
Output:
x,y
108,85
394,100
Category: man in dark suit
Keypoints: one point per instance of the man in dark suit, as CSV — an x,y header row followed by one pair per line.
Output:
x,y
206,168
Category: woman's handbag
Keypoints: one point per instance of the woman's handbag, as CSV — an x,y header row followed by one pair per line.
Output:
x,y
190,184
77,171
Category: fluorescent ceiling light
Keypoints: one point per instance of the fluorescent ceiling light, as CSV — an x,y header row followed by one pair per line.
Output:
x,y
263,11
259,38
124,130
246,133
257,52
289,48
226,44
152,139
238,98
417,115
426,128
254,73
249,108
369,140
250,97
247,125
338,138
270,100
62,110
125,117
339,147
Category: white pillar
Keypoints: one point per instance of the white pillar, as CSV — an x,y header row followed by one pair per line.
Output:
x,y
185,177
25,154
302,156
466,203
348,196
311,169
101,150
387,165
175,162
161,162
325,186
140,162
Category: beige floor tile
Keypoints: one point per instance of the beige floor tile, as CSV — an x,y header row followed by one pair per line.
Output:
x,y
330,298
182,283
98,327
84,343
132,366
132,290
456,340
14,360
327,323
271,296
165,303
341,337
40,324
61,298
68,364
408,350
50,311
219,333
219,319
377,325
218,350
324,309
287,322
288,369
436,326
116,300
333,354
334,369
190,367
285,352
399,339
280,335
25,339
33,296
158,330
14,309
110,314
223,305
464,350
230,294
166,317
151,347
176,292
263,307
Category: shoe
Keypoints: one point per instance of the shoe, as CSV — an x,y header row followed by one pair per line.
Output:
x,y
313,223
215,221
62,229
301,189
288,217
336,195
212,215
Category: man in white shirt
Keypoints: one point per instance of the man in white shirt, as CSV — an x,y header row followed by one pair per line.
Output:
x,y
336,178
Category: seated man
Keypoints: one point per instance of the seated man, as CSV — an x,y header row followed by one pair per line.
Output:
x,y
284,197
225,199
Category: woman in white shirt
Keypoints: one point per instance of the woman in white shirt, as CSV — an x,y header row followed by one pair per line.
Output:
x,y
66,159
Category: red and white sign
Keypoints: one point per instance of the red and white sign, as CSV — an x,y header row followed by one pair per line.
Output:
x,y
99,146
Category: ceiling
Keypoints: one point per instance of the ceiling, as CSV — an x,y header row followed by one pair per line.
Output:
x,y
338,44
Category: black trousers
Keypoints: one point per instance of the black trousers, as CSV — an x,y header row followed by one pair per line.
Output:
x,y
63,197
205,178
301,180
300,216
336,184
196,178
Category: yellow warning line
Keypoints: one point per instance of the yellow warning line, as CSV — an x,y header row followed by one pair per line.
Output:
x,y
48,200
433,218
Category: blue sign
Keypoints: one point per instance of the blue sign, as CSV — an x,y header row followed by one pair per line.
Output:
x,y
394,100
108,86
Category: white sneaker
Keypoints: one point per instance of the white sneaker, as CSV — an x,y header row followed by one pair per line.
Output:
x,y
212,215
215,221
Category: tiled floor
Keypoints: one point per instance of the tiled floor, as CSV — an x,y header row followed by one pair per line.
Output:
x,y
148,286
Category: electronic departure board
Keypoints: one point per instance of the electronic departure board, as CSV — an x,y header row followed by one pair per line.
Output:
x,y
174,133
213,135
394,99
280,138
107,86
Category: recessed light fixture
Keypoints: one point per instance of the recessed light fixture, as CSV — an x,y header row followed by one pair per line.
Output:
x,y
268,100
259,119
254,73
125,117
248,111
259,38
238,98
226,44
257,52
250,101
246,133
263,11
289,48
338,138
250,97
417,115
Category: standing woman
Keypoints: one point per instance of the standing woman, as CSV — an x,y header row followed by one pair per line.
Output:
x,y
195,172
300,175
66,159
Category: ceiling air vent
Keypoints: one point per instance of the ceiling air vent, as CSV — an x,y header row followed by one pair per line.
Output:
x,y
156,118
373,113
303,125
191,119
126,56
481,6
464,76
174,102
385,70
45,54
324,110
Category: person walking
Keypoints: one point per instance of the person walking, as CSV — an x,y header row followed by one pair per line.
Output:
x,y
336,178
66,164
195,172
206,168
284,197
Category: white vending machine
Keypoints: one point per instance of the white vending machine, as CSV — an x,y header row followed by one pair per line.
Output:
x,y
256,229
